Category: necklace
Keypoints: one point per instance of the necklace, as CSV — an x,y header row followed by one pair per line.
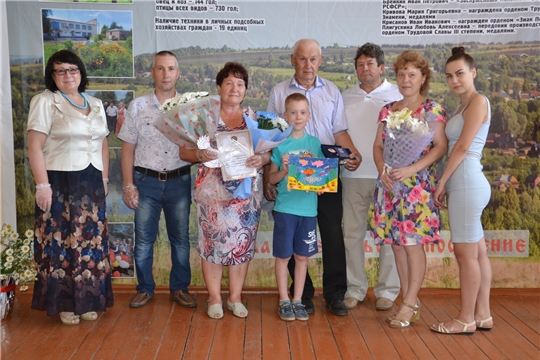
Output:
x,y
84,107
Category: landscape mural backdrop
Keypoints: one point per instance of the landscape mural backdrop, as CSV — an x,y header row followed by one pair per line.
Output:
x,y
204,34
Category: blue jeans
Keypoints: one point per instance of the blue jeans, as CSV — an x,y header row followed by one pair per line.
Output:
x,y
174,197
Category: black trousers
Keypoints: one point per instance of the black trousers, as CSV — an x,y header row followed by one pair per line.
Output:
x,y
329,217
111,123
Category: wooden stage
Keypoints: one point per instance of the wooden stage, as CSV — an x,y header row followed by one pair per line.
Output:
x,y
165,330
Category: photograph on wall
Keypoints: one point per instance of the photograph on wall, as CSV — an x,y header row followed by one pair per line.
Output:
x,y
115,103
102,39
121,242
117,210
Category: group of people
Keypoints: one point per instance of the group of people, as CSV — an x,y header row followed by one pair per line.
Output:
x,y
399,204
115,115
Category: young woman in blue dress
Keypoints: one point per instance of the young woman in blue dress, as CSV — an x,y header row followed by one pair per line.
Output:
x,y
466,192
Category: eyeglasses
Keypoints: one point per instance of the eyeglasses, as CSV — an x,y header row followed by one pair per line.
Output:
x,y
62,72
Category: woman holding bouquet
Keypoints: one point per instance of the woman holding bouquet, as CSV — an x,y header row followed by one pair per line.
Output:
x,y
409,140
227,224
467,191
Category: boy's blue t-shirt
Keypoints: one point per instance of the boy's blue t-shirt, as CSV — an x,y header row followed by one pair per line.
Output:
x,y
296,202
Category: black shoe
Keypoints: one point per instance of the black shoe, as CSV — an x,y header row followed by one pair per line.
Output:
x,y
337,307
309,305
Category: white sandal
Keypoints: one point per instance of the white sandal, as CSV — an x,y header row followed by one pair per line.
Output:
x,y
215,311
480,323
444,330
238,309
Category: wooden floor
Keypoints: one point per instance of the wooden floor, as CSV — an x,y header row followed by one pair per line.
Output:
x,y
165,330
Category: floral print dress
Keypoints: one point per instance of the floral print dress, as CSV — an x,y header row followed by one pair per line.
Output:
x,y
410,216
71,246
227,226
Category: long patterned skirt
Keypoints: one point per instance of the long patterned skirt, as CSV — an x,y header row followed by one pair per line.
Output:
x,y
71,246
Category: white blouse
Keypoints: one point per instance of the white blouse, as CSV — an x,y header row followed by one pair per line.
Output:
x,y
74,140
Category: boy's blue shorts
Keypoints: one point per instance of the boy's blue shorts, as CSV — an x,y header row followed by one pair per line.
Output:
x,y
294,234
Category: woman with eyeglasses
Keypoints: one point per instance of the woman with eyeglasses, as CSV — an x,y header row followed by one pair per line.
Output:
x,y
69,157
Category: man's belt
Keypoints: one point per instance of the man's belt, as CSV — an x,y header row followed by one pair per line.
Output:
x,y
165,175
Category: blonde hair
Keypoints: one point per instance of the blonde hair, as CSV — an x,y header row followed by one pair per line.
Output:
x,y
295,97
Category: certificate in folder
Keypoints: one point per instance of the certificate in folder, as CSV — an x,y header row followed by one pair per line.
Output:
x,y
234,148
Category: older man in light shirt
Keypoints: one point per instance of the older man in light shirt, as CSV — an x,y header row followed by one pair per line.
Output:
x,y
329,126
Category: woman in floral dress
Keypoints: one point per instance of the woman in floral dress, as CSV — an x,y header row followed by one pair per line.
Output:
x,y
403,211
227,224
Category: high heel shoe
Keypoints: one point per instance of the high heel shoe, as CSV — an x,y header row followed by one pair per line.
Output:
x,y
413,319
417,306
395,322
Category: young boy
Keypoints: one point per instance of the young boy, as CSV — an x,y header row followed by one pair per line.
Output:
x,y
295,212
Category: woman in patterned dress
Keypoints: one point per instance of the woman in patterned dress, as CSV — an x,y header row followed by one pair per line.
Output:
x,y
69,157
227,225
404,213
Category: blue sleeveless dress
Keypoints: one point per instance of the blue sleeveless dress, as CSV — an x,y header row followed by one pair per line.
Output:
x,y
468,190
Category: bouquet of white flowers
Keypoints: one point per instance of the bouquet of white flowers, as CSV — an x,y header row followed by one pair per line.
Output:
x,y
398,119
267,129
182,99
269,121
188,117
406,137
16,265
17,257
